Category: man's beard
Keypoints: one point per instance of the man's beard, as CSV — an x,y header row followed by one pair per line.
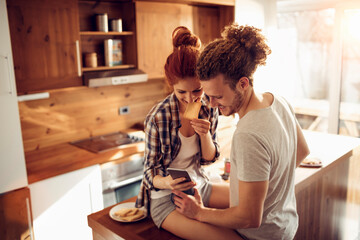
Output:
x,y
237,103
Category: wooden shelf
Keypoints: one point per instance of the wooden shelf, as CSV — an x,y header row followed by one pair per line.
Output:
x,y
101,68
196,2
97,33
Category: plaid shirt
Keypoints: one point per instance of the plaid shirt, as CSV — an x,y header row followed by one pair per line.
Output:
x,y
162,143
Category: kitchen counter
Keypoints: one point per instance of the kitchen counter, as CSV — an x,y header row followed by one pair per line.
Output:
x,y
317,202
63,158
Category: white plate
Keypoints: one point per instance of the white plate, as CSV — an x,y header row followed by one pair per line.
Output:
x,y
125,205
315,162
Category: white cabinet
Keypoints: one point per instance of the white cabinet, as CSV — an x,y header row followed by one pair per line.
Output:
x,y
60,204
12,160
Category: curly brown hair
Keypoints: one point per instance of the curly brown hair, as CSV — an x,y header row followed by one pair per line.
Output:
x,y
236,54
181,63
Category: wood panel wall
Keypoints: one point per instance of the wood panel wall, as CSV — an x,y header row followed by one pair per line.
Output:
x,y
81,112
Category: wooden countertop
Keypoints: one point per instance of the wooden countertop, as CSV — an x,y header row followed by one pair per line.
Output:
x,y
63,158
331,149
108,228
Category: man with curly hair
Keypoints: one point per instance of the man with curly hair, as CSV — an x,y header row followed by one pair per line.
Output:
x,y
267,145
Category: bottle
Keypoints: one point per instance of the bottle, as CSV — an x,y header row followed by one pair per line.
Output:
x,y
226,174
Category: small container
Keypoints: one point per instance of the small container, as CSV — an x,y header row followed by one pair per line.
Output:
x,y
116,25
226,174
102,22
90,60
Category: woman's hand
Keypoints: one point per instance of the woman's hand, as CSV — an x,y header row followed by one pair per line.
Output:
x,y
201,126
179,184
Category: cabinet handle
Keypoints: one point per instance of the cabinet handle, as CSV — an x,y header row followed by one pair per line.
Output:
x,y
78,58
29,219
10,89
115,185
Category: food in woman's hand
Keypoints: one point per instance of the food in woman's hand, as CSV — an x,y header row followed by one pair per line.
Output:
x,y
192,110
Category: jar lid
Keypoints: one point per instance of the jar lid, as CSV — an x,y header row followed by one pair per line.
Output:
x,y
90,54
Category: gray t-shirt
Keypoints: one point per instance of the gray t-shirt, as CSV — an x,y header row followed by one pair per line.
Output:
x,y
264,148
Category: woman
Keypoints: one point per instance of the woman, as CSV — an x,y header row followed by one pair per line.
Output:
x,y
173,141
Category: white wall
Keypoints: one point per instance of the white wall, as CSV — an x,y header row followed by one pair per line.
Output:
x,y
262,14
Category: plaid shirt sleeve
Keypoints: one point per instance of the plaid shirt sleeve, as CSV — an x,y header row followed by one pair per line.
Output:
x,y
153,154
152,166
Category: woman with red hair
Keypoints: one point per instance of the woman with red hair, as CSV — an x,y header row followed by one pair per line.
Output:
x,y
177,142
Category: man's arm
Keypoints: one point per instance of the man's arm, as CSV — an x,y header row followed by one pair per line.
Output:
x,y
248,214
302,147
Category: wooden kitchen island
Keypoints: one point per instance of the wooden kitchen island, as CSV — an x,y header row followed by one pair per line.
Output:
x,y
321,196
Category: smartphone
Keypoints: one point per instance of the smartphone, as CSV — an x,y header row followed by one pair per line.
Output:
x,y
178,173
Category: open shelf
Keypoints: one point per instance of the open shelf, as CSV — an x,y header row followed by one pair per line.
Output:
x,y
92,41
97,33
102,68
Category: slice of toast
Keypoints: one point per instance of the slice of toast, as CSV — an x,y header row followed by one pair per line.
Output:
x,y
137,215
129,214
126,212
192,110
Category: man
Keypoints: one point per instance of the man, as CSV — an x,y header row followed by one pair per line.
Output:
x,y
267,144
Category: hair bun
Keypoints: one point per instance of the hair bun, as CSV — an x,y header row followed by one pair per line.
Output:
x,y
246,36
182,36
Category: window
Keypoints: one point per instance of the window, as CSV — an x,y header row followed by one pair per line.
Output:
x,y
318,54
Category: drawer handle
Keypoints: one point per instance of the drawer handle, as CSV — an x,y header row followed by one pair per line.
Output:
x,y
10,89
125,182
29,219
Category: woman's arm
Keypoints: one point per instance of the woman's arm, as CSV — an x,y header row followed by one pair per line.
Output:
x,y
206,129
153,156
169,183
208,149
302,147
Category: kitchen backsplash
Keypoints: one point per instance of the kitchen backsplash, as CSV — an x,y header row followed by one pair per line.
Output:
x,y
76,113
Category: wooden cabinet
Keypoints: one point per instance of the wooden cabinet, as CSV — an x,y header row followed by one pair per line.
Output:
x,y
92,41
45,44
50,38
15,215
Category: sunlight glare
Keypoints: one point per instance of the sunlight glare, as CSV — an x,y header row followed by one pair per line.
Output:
x,y
352,24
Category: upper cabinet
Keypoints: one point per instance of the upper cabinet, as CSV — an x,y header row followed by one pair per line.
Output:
x,y
45,44
57,44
